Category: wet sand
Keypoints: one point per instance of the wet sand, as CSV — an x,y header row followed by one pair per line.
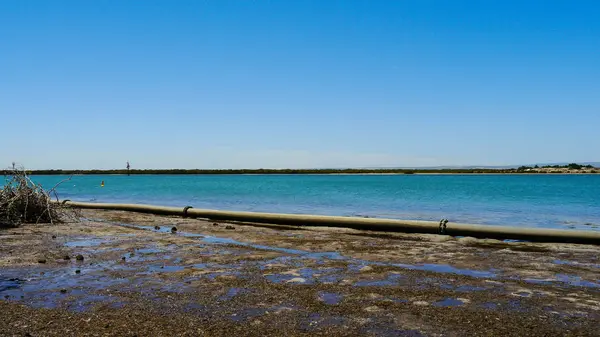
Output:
x,y
139,278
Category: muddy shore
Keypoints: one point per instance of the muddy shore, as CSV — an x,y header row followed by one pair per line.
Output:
x,y
127,274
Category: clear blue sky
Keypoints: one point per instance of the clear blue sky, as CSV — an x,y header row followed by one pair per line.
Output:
x,y
248,84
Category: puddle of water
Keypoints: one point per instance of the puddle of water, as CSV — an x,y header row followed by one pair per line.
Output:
x,y
200,265
144,258
325,255
564,262
469,288
449,302
398,300
379,283
447,269
437,268
575,263
308,274
9,283
45,291
85,243
49,301
333,278
570,280
148,251
330,298
539,281
576,281
287,261
164,268
284,278
515,305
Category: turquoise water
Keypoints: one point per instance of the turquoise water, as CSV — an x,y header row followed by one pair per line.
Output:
x,y
556,201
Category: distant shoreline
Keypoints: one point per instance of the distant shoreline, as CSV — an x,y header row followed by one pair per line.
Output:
x,y
520,171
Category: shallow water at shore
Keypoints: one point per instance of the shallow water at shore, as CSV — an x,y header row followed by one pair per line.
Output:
x,y
551,201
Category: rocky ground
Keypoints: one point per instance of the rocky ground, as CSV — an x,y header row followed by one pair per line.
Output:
x,y
126,274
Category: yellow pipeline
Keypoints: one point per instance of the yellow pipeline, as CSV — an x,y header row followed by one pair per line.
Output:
x,y
374,224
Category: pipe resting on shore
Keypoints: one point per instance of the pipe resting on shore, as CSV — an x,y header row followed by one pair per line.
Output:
x,y
373,224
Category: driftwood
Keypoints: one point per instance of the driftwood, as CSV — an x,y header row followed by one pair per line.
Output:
x,y
23,201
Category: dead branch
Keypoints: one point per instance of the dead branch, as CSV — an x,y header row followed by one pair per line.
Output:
x,y
24,201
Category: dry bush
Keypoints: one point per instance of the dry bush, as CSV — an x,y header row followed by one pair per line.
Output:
x,y
23,201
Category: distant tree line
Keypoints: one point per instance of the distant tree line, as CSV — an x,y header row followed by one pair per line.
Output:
x,y
572,166
266,171
522,169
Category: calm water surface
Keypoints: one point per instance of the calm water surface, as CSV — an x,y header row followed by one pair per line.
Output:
x,y
556,201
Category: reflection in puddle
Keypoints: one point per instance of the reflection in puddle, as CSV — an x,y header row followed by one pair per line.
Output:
x,y
57,288
576,281
444,268
448,302
85,243
9,283
570,280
